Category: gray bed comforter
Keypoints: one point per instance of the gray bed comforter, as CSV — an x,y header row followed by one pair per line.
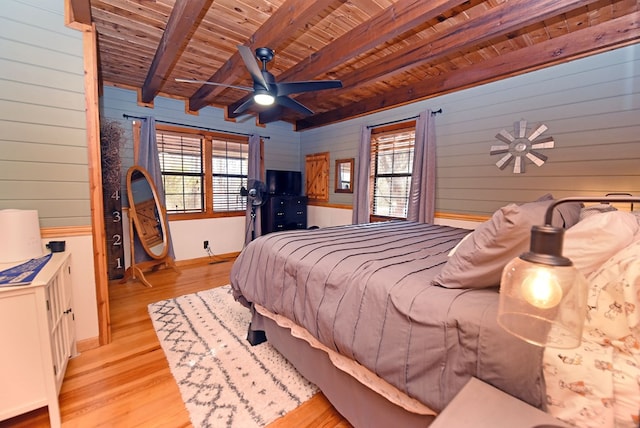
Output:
x,y
366,291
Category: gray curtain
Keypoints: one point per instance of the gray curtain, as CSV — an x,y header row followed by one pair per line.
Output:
x,y
253,224
361,179
422,196
148,153
148,159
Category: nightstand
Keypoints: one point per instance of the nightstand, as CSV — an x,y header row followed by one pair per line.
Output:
x,y
480,405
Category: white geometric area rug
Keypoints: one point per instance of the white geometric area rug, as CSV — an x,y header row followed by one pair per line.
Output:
x,y
223,380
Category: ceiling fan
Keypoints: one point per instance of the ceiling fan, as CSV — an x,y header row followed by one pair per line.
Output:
x,y
266,91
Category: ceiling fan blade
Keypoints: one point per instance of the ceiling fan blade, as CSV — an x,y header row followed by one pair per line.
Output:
x,y
206,82
244,106
252,66
286,88
293,105
270,115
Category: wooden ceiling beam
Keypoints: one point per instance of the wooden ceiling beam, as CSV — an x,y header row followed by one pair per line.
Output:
x,y
77,13
507,17
289,17
513,16
396,19
339,39
183,21
588,41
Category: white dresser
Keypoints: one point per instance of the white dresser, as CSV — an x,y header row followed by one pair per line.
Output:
x,y
37,335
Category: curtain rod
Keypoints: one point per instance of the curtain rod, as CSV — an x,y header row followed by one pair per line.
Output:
x,y
128,116
433,113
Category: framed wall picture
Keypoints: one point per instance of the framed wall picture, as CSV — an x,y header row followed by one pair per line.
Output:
x,y
344,176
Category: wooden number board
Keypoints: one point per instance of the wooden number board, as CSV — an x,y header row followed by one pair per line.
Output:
x,y
114,237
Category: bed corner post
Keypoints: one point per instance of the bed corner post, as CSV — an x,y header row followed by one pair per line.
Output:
x,y
255,337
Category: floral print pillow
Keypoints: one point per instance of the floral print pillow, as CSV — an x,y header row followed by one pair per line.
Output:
x,y
598,383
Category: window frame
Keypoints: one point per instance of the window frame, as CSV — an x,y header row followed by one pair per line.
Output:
x,y
386,129
207,153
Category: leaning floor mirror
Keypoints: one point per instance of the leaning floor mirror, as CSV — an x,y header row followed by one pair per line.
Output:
x,y
148,225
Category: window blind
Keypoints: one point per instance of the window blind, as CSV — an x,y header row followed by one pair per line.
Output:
x,y
180,158
391,169
230,163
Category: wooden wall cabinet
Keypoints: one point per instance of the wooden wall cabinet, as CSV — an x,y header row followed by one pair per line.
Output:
x,y
317,177
37,333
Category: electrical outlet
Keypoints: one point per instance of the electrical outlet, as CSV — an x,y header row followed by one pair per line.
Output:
x,y
206,244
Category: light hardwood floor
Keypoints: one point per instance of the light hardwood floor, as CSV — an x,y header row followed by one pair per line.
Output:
x,y
128,383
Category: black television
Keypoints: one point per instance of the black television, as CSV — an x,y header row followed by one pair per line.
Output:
x,y
284,182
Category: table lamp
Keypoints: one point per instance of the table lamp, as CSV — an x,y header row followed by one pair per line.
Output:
x,y
543,297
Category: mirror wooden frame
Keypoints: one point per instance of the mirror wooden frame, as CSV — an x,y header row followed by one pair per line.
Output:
x,y
145,218
148,215
339,163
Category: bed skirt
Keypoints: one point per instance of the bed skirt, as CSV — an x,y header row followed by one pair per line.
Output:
x,y
361,405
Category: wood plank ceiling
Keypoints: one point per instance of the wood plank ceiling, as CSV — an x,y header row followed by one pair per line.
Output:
x,y
385,52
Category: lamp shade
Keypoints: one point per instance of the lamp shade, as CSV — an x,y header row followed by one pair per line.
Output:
x,y
544,305
19,235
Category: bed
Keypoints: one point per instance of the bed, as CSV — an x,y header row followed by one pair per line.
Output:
x,y
392,319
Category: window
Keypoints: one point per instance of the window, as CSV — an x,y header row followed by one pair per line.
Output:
x,y
229,160
182,172
202,172
391,168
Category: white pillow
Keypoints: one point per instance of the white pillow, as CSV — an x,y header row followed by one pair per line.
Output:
x,y
454,249
595,239
594,209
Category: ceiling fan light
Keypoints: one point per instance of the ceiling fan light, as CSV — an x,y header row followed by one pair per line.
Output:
x,y
263,98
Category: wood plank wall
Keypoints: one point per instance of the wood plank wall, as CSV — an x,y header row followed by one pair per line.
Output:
x,y
282,149
43,145
591,107
226,235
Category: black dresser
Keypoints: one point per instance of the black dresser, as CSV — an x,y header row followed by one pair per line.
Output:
x,y
284,212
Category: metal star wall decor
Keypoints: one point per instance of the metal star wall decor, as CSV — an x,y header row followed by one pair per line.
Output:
x,y
519,146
